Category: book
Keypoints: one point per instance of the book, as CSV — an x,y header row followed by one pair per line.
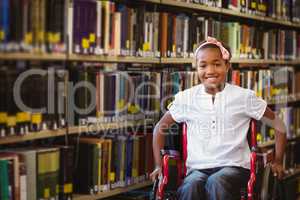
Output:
x,y
12,180
66,171
47,161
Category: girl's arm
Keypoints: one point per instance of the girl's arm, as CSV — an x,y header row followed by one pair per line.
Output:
x,y
272,120
159,140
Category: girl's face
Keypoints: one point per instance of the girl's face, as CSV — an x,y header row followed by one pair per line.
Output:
x,y
212,69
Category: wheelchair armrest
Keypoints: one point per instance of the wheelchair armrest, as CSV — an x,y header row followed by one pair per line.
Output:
x,y
171,153
168,155
252,179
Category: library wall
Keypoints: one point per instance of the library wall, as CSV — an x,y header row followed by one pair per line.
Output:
x,y
83,82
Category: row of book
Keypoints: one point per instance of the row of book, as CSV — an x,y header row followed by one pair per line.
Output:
x,y
158,88
245,41
113,161
109,28
275,84
32,99
267,186
127,95
291,119
282,9
37,173
91,165
96,95
114,29
33,25
117,96
154,34
148,33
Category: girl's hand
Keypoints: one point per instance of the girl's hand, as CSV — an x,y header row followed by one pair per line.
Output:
x,y
155,174
277,169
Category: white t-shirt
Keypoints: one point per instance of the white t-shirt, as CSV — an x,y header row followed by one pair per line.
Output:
x,y
217,131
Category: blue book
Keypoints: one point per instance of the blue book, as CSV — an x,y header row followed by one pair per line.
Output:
x,y
4,23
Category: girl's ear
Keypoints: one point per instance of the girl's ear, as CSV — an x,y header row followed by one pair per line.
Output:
x,y
228,66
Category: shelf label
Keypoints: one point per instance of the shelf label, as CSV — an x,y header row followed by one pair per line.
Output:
x,y
120,104
56,37
112,176
2,35
3,117
85,43
259,137
28,38
146,46
41,36
11,121
46,193
50,37
36,118
68,188
92,38
133,109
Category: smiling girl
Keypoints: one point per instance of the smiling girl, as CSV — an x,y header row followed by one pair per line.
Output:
x,y
217,115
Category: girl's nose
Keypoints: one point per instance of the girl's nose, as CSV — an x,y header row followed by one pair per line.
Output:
x,y
211,68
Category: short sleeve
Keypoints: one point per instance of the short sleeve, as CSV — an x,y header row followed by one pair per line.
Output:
x,y
255,106
178,109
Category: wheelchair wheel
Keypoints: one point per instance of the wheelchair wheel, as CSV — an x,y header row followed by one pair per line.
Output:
x,y
170,195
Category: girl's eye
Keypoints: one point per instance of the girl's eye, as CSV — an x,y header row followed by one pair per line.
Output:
x,y
218,64
202,66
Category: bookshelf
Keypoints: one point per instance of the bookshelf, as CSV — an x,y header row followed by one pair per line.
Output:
x,y
113,192
72,130
155,62
33,56
32,136
113,59
191,6
271,143
224,11
130,59
234,61
288,100
260,19
291,174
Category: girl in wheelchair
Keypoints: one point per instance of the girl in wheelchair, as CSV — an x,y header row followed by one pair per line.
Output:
x,y
217,115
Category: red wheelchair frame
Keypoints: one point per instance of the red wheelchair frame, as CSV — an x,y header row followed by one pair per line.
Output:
x,y
160,184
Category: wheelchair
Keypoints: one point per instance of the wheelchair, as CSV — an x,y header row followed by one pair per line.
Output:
x,y
165,187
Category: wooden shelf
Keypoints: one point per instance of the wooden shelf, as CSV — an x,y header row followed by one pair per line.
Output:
x,y
191,6
75,57
32,56
264,61
284,100
176,60
153,1
266,144
72,130
112,192
296,171
233,61
32,136
130,59
272,142
228,12
113,59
